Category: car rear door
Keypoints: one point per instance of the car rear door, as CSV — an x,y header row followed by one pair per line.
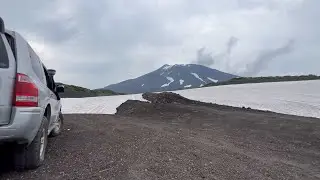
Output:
x,y
55,108
7,77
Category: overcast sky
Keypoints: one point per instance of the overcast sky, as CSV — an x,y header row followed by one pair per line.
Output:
x,y
95,43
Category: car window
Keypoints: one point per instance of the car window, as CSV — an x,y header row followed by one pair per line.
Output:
x,y
49,81
11,42
36,65
42,75
4,60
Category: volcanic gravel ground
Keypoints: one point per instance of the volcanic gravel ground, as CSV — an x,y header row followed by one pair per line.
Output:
x,y
170,140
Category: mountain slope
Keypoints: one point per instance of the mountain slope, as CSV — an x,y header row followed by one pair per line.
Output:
x,y
171,77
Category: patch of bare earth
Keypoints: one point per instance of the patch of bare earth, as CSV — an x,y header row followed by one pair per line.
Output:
x,y
176,138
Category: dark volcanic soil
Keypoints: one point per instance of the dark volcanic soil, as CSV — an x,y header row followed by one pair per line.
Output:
x,y
181,141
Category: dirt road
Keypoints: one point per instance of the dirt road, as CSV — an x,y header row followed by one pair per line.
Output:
x,y
174,141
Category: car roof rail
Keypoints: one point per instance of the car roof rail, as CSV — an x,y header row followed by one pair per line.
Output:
x,y
2,28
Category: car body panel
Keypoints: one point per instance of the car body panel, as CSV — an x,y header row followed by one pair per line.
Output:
x,y
7,76
25,124
22,123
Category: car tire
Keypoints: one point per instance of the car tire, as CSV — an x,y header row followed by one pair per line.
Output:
x,y
57,130
32,156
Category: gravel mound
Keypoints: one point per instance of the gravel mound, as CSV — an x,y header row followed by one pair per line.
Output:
x,y
134,108
167,97
158,102
170,103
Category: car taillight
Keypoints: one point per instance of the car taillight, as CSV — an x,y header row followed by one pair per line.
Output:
x,y
25,93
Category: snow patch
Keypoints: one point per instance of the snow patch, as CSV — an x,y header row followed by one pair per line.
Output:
x,y
181,81
170,79
213,80
197,76
295,98
142,85
96,105
166,67
201,85
187,86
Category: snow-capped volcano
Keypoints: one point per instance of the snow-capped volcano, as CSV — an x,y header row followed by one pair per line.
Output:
x,y
172,77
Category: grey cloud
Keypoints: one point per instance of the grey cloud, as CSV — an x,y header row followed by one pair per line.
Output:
x,y
119,29
33,18
102,31
100,37
54,31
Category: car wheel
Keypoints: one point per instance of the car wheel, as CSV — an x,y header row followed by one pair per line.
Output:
x,y
32,156
58,126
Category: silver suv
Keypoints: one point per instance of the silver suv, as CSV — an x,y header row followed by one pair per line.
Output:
x,y
30,108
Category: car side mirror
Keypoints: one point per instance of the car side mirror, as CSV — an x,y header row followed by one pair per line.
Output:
x,y
51,72
60,89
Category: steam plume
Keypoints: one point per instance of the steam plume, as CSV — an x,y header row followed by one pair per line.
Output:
x,y
231,44
207,59
204,58
265,57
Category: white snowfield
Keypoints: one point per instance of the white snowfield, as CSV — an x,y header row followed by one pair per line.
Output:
x,y
296,98
96,105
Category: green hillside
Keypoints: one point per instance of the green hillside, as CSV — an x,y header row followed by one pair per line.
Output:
x,y
245,80
72,91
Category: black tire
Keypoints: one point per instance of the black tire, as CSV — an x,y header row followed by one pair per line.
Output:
x,y
30,156
57,130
